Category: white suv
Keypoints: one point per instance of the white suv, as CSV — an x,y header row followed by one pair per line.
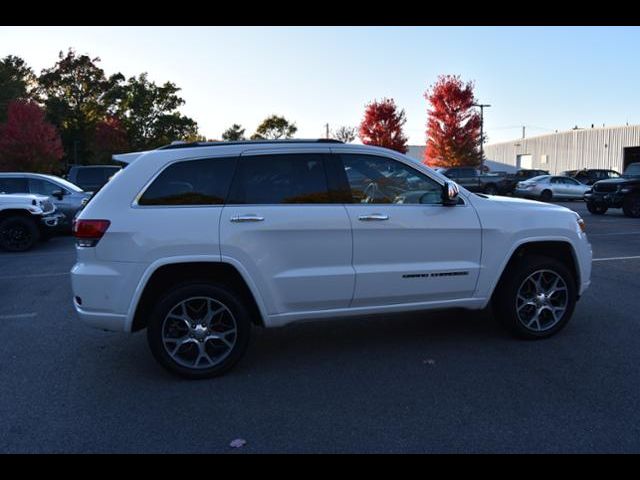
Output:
x,y
197,242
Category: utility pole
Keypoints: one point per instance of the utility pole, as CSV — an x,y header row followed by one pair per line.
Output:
x,y
482,106
326,126
523,127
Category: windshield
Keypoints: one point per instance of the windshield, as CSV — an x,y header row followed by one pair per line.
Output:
x,y
65,183
633,170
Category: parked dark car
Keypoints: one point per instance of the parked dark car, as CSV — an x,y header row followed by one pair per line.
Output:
x,y
91,178
475,181
589,176
623,192
512,179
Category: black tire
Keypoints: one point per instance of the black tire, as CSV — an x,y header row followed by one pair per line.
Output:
x,y
596,209
631,206
546,195
172,299
491,189
506,296
18,233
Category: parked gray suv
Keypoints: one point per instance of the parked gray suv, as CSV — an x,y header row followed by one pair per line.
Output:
x,y
67,197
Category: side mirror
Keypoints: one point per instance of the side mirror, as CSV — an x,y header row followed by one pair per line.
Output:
x,y
450,191
58,194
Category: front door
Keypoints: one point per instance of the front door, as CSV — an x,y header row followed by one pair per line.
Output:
x,y
407,246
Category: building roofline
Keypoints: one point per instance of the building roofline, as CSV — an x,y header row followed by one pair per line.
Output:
x,y
563,132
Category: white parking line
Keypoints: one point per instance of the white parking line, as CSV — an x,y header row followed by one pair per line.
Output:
x,y
18,315
635,257
34,275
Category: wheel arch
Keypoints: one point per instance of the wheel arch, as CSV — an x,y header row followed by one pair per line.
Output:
x,y
16,212
560,250
160,278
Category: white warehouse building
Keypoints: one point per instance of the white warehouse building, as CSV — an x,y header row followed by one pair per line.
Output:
x,y
611,148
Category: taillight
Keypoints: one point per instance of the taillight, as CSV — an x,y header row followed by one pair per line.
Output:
x,y
89,232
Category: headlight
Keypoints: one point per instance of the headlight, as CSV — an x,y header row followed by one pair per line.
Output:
x,y
625,190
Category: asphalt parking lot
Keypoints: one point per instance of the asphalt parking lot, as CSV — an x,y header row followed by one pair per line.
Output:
x,y
446,382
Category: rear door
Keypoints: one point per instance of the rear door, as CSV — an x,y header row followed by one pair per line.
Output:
x,y
559,187
14,185
407,246
574,188
290,234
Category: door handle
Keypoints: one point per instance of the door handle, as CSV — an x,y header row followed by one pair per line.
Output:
x,y
246,218
373,217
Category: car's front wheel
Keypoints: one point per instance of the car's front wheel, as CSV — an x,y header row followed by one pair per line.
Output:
x,y
199,330
596,209
536,297
18,233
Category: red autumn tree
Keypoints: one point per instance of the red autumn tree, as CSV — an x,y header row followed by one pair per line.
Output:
x,y
27,141
382,125
453,128
110,137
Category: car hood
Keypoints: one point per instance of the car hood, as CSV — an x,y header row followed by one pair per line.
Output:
x,y
618,181
523,203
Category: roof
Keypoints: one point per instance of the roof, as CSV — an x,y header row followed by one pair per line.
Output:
x,y
246,142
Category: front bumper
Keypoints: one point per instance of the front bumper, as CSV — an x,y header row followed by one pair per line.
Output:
x,y
52,220
606,199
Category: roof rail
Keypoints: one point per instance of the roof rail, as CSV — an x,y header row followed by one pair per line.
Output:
x,y
176,145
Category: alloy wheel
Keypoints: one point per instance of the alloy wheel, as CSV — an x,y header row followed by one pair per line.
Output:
x,y
199,332
542,300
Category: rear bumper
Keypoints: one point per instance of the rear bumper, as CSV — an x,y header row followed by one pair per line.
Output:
x,y
519,192
104,321
103,291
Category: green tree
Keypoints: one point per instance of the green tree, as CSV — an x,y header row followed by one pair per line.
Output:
x,y
17,82
77,97
273,128
150,113
234,133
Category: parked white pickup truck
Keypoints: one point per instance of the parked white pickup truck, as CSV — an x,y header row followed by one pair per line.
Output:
x,y
25,219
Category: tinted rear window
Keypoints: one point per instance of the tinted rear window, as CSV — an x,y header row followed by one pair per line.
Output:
x,y
193,182
277,179
14,185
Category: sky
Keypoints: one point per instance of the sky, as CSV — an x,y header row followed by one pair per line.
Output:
x,y
546,78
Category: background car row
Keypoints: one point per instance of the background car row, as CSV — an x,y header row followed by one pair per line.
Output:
x,y
24,220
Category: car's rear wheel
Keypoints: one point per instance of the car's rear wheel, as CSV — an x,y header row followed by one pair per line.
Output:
x,y
546,195
18,234
631,206
199,330
536,297
596,209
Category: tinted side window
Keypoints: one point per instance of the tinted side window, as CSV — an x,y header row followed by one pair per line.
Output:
x,y
43,187
191,182
376,179
277,179
90,176
14,185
